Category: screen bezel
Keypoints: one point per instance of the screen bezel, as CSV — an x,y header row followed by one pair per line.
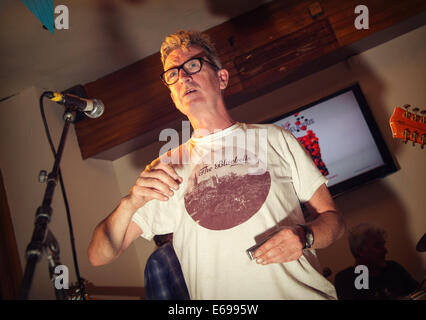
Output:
x,y
389,165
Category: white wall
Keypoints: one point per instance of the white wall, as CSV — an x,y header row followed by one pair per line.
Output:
x,y
91,188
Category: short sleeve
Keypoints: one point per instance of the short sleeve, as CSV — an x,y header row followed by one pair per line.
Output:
x,y
156,217
307,178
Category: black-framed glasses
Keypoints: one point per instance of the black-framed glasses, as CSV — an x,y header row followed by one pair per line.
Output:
x,y
190,66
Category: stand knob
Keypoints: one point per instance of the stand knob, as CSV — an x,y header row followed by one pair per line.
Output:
x,y
42,176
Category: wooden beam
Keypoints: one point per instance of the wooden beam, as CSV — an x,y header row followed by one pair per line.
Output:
x,y
264,49
10,264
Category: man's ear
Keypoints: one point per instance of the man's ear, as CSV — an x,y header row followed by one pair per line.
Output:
x,y
223,75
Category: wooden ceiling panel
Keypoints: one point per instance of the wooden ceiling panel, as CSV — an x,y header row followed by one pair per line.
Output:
x,y
263,49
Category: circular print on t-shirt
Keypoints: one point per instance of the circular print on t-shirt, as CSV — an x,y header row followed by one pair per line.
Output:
x,y
223,194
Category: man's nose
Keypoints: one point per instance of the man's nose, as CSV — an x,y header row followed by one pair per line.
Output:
x,y
183,75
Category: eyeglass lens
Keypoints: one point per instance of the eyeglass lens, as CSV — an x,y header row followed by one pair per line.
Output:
x,y
190,67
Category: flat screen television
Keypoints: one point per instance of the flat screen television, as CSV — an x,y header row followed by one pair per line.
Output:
x,y
343,139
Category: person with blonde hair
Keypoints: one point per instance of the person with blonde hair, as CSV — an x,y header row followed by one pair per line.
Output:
x,y
230,196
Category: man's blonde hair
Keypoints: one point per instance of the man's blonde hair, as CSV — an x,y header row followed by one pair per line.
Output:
x,y
184,39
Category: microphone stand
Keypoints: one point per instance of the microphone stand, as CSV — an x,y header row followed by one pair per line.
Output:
x,y
42,239
52,252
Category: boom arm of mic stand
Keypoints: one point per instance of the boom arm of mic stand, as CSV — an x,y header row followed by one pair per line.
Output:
x,y
43,215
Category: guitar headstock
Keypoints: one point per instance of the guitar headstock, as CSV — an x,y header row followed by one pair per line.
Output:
x,y
409,125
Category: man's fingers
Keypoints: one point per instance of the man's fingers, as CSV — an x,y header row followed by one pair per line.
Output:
x,y
282,247
157,181
171,171
166,168
279,254
267,256
162,176
162,170
268,250
270,244
155,184
140,191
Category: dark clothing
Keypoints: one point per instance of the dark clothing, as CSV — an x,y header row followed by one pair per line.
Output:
x,y
163,276
392,282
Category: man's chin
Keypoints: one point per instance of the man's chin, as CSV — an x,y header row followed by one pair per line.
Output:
x,y
192,98
193,105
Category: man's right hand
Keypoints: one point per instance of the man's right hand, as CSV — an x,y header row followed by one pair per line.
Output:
x,y
115,233
157,181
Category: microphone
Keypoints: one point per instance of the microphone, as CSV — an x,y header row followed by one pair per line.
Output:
x,y
93,108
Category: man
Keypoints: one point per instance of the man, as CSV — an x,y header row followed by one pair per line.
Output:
x,y
219,197
386,279
163,275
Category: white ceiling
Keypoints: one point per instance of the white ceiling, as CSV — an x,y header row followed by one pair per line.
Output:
x,y
104,36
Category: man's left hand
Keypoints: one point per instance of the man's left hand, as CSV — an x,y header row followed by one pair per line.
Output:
x,y
285,246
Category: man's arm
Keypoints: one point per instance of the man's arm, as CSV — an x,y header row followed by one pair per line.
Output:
x,y
287,245
114,234
328,226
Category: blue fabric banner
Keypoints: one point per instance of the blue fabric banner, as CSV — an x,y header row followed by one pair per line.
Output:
x,y
43,10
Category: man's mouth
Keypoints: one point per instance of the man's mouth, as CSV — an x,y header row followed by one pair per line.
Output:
x,y
188,91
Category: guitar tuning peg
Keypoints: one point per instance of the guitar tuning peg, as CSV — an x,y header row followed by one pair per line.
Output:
x,y
415,116
407,114
414,136
406,135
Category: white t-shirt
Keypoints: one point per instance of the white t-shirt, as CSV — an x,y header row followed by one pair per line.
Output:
x,y
239,184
